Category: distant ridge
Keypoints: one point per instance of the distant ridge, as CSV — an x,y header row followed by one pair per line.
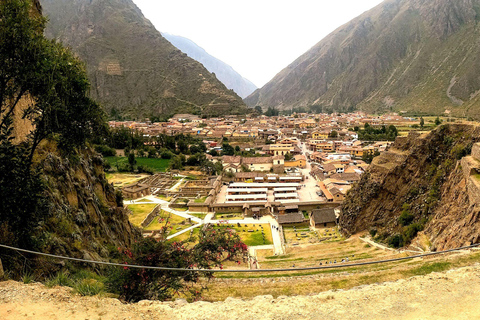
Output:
x,y
134,71
419,56
225,73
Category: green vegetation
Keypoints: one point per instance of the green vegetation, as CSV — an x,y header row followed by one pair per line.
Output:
x,y
214,248
250,234
201,200
44,83
370,133
165,219
156,165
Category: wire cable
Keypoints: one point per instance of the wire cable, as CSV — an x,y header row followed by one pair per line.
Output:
x,y
336,266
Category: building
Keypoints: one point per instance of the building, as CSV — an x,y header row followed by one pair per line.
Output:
x,y
299,161
323,218
135,191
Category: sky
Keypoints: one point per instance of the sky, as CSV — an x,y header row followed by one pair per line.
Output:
x,y
258,38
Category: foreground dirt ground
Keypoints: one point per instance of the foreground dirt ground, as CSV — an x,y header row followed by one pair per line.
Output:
x,y
447,295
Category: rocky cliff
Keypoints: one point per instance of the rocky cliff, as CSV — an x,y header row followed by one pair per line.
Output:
x,y
427,182
403,55
134,71
86,218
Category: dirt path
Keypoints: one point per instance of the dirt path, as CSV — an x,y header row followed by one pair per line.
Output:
x,y
448,295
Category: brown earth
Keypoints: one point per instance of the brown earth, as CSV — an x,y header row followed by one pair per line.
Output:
x,y
447,295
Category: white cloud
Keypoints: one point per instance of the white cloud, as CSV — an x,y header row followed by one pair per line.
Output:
x,y
258,38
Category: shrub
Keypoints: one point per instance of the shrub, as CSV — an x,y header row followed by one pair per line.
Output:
x,y
213,248
411,231
62,278
406,217
88,287
373,232
105,151
396,241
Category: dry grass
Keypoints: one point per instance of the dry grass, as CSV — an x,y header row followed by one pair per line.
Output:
x,y
304,283
123,179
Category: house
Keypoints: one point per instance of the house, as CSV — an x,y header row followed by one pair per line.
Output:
x,y
317,135
290,218
323,218
231,163
299,161
258,163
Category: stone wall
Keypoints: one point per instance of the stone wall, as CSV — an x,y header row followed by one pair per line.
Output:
x,y
150,216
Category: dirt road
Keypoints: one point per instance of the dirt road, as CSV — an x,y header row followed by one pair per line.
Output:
x,y
448,295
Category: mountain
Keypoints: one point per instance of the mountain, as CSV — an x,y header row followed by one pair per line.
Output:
x,y
134,71
419,56
225,73
424,184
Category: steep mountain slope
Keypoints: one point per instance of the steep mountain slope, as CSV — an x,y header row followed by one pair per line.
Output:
x,y
403,55
134,71
225,73
428,183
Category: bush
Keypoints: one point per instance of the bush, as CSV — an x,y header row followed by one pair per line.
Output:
x,y
88,287
61,279
373,232
396,241
406,218
105,151
213,248
411,231
145,169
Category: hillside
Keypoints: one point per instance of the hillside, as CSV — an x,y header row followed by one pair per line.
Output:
x,y
427,183
134,71
56,198
225,73
419,56
391,300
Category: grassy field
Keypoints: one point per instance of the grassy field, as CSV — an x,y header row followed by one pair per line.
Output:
x,y
157,165
123,179
176,222
201,200
186,235
140,212
164,198
249,237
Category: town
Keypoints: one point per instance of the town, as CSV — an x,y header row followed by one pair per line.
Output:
x,y
281,183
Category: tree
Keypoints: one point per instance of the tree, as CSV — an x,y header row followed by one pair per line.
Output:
x,y
237,149
53,83
227,150
176,163
333,134
437,121
44,71
258,109
214,247
131,159
422,122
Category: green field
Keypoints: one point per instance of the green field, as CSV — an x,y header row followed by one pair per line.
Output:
x,y
176,222
140,212
157,165
251,238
